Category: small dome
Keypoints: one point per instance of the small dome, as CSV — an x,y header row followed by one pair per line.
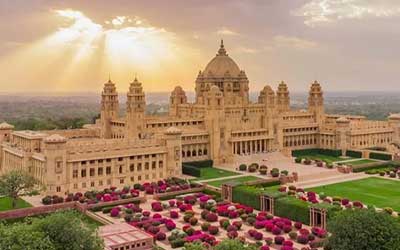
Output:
x,y
173,131
55,139
178,90
5,126
222,65
342,119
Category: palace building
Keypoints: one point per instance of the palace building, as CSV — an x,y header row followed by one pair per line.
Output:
x,y
221,123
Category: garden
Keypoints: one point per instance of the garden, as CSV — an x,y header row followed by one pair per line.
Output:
x,y
238,180
201,217
374,191
213,173
112,194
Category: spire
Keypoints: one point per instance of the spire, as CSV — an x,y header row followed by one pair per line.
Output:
x,y
222,51
109,78
135,80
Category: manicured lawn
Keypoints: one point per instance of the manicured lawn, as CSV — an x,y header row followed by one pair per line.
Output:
x,y
241,179
212,173
326,158
6,204
371,191
360,162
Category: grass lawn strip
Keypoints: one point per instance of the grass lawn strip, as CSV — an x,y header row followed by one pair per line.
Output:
x,y
6,204
213,173
360,162
327,158
371,191
241,179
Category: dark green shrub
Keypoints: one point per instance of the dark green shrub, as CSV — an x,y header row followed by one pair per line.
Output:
x,y
354,154
292,208
380,156
243,167
190,170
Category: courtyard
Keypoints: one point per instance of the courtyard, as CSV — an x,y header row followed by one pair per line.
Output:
x,y
374,191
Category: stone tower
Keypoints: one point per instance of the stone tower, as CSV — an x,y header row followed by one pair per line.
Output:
x,y
342,134
135,110
173,141
267,97
109,108
56,164
316,102
215,119
282,98
178,97
5,136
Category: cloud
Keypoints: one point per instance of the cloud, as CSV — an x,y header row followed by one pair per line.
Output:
x,y
318,12
293,42
245,50
226,32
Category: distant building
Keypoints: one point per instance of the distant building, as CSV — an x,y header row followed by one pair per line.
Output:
x,y
123,236
219,124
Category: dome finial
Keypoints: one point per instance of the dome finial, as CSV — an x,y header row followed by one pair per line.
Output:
x,y
135,80
109,78
222,51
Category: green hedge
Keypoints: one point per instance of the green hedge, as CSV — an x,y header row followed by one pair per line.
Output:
x,y
190,170
200,164
212,192
313,151
375,166
380,156
270,183
247,195
354,154
292,208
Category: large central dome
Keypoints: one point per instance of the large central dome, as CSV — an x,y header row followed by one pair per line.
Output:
x,y
222,64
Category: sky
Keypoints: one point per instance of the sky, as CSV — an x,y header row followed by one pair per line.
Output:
x,y
74,46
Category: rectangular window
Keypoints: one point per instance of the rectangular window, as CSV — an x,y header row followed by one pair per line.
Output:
x,y
108,170
92,184
121,181
92,172
75,185
153,165
146,166
83,173
132,167
100,171
100,183
58,189
75,173
139,178
160,164
132,179
139,167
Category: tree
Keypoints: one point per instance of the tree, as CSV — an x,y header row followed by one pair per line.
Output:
x,y
20,236
228,244
363,229
67,231
16,183
194,246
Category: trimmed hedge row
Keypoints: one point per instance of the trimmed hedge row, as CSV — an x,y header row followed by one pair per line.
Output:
x,y
313,151
200,164
354,154
372,166
247,195
190,170
380,156
270,183
292,208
